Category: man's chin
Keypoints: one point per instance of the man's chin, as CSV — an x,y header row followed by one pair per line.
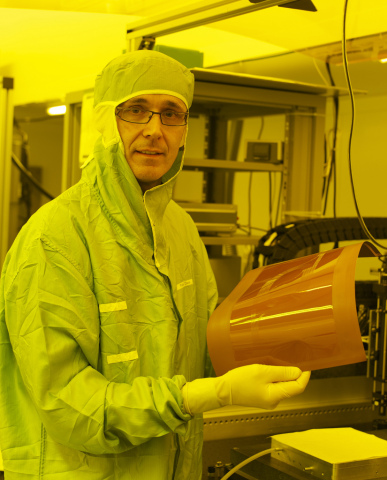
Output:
x,y
148,184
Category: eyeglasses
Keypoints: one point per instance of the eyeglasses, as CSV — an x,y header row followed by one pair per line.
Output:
x,y
139,115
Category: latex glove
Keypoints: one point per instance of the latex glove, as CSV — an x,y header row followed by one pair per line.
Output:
x,y
260,386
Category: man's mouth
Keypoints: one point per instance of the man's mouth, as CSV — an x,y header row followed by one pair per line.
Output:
x,y
148,152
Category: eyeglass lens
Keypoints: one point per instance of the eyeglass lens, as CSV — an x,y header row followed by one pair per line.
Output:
x,y
138,115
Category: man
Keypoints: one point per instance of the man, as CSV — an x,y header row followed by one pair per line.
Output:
x,y
105,298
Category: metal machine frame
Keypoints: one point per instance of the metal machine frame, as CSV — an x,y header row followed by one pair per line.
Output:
x,y
327,402
6,131
234,96
142,33
377,357
71,172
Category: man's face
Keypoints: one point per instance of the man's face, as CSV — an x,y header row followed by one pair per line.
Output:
x,y
151,149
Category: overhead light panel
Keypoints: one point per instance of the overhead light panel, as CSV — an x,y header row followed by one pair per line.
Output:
x,y
57,110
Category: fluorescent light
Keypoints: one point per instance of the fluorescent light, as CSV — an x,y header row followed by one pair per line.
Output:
x,y
383,60
58,110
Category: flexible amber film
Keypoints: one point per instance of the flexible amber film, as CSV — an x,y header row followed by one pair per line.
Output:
x,y
301,312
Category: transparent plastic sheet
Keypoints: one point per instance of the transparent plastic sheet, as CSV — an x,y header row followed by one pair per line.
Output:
x,y
301,312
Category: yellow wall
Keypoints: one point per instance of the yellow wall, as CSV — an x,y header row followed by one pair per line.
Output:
x,y
52,53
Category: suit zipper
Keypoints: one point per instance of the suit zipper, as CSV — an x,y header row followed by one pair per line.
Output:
x,y
177,455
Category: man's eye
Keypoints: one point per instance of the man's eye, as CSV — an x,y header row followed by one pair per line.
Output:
x,y
135,110
170,114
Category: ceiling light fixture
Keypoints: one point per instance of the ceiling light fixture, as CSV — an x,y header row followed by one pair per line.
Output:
x,y
57,110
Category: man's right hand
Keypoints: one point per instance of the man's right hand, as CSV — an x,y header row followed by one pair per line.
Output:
x,y
259,386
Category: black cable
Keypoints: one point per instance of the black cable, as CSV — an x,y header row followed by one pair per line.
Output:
x,y
262,127
326,163
350,90
241,227
26,186
334,165
334,146
250,202
251,180
30,177
328,181
279,199
270,179
270,201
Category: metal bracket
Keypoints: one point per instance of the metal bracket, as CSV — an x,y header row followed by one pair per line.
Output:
x,y
8,83
296,4
183,18
6,129
147,43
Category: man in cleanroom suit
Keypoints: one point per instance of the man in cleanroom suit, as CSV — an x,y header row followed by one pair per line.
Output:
x,y
104,301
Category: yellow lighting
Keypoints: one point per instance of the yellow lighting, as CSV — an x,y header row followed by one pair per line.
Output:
x,y
383,60
58,110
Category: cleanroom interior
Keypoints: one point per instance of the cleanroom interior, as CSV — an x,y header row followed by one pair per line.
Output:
x,y
53,50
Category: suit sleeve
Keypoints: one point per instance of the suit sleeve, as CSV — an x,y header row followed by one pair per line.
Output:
x,y
53,321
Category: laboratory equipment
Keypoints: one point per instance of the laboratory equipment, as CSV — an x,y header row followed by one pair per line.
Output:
x,y
377,348
326,453
333,453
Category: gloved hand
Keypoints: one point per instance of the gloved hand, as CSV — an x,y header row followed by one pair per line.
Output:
x,y
260,386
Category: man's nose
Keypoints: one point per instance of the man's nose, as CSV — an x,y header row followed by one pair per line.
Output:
x,y
153,127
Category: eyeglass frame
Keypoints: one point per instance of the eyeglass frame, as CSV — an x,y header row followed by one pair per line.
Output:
x,y
118,109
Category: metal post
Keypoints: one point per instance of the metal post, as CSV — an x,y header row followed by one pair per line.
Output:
x,y
305,160
380,351
71,172
6,130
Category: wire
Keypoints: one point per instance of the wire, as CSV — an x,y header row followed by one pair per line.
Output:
x,y
245,60
248,460
320,72
30,177
382,258
328,170
262,127
252,228
270,201
25,190
334,144
350,90
331,157
250,201
279,199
